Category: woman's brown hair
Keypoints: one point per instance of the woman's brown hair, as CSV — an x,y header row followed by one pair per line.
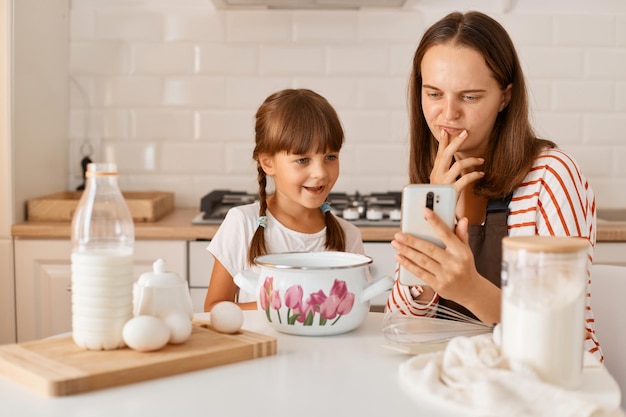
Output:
x,y
295,121
513,144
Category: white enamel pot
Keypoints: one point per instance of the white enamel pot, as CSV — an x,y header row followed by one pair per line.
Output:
x,y
313,293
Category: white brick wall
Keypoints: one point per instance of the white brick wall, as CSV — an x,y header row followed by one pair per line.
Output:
x,y
171,86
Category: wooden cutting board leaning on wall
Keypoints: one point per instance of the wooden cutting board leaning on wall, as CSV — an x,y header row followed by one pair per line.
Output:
x,y
56,366
144,206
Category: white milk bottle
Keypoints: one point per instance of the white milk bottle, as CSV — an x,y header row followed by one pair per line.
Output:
x,y
543,305
103,237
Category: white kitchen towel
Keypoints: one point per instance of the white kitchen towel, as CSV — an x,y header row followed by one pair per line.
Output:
x,y
471,376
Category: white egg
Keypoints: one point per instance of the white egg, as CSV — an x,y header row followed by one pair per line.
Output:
x,y
226,317
179,324
145,333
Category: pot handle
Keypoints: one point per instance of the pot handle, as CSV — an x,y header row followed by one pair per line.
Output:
x,y
247,280
377,287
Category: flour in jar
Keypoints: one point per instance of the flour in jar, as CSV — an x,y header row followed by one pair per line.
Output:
x,y
543,326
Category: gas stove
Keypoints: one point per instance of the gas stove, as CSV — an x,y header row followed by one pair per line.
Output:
x,y
375,209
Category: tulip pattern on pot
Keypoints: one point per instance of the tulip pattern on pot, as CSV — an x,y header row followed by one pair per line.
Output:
x,y
316,307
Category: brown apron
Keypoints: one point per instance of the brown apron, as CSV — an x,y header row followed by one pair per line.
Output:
x,y
486,243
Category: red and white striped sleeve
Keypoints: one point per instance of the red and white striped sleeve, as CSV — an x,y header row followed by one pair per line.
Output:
x,y
555,199
402,299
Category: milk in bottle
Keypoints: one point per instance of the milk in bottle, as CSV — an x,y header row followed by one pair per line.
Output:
x,y
101,262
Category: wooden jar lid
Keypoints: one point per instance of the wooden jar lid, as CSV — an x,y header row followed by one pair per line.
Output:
x,y
552,244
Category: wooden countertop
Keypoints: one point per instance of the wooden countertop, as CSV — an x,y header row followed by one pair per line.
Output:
x,y
177,226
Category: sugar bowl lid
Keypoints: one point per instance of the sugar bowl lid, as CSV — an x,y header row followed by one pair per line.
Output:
x,y
159,277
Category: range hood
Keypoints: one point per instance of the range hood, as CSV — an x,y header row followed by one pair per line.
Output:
x,y
307,4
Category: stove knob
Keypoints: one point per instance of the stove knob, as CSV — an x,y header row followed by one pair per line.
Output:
x,y
395,214
374,214
351,214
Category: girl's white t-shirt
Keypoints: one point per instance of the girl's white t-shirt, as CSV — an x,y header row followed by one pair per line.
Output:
x,y
231,241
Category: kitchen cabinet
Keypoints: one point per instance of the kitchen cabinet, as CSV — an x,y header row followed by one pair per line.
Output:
x,y
200,267
7,290
43,280
384,256
7,303
34,121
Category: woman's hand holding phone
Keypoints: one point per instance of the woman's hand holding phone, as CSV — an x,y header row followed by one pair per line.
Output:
x,y
450,272
441,199
449,266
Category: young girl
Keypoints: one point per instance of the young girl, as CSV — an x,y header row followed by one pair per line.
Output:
x,y
470,127
298,138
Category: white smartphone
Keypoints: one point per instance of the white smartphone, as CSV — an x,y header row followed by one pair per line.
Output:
x,y
439,198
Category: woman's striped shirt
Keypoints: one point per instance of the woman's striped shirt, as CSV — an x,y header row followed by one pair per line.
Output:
x,y
554,199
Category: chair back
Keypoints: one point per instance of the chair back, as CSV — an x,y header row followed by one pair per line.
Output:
x,y
608,303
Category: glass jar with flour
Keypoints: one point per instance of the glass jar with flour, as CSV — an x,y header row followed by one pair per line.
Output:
x,y
543,305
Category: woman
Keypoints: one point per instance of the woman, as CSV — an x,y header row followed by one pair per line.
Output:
x,y
470,127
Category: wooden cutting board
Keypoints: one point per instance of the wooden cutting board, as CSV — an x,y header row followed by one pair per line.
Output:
x,y
144,206
56,366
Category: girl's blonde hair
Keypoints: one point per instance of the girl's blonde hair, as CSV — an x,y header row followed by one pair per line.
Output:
x,y
295,121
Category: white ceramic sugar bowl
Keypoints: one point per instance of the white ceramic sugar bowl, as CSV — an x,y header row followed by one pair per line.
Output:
x,y
158,292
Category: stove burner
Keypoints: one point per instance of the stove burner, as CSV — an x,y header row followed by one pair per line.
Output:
x,y
376,209
216,204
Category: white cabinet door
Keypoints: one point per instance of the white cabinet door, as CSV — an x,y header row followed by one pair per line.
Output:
x,y
43,280
384,263
42,284
200,267
7,291
173,252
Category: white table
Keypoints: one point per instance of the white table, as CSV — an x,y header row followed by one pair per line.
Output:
x,y
345,375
